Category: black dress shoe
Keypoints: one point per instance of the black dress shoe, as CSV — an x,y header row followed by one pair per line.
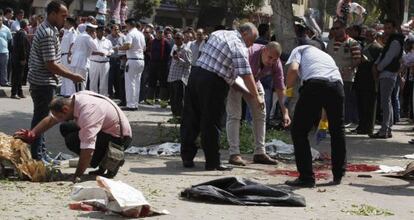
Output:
x,y
336,181
379,136
15,97
301,183
219,168
129,109
121,104
188,164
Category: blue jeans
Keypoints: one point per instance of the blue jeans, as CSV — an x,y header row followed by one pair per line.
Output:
x,y
396,100
4,59
41,96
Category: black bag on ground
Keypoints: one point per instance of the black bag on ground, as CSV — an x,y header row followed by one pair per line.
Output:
x,y
241,191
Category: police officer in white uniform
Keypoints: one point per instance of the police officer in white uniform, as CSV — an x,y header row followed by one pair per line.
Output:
x,y
69,37
322,88
134,46
82,49
99,68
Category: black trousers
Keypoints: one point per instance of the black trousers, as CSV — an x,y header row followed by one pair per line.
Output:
x,y
70,131
204,107
315,95
113,77
367,101
177,97
158,74
17,79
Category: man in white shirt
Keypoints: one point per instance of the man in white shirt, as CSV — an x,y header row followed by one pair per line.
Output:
x,y
195,46
101,6
69,37
16,24
322,88
82,49
99,70
134,47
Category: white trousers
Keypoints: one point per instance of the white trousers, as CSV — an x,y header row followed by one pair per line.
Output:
x,y
133,71
68,86
83,72
98,75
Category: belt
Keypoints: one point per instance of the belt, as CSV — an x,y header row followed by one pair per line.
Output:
x,y
63,54
99,61
135,58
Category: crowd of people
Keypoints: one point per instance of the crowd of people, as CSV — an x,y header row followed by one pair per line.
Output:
x,y
204,77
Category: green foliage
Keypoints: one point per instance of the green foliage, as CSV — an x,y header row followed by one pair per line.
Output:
x,y
172,134
247,140
144,8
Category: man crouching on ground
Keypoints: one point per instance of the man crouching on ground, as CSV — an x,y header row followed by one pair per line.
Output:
x,y
93,127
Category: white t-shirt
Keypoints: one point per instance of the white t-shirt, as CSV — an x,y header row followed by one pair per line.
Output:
x,y
137,40
101,6
356,8
15,26
314,64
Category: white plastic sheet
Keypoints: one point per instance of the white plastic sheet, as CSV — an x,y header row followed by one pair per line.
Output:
x,y
389,169
115,196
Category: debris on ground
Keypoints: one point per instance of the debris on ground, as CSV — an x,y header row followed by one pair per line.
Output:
x,y
367,210
409,156
165,149
112,196
407,173
279,149
16,152
389,169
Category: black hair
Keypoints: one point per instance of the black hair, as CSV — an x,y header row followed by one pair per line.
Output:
x,y
58,103
23,24
54,6
8,10
71,21
20,12
263,29
392,22
340,22
131,22
358,29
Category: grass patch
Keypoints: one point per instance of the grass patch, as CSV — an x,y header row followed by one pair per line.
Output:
x,y
168,133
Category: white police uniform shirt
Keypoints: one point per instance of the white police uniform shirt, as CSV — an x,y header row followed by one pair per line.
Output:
x,y
81,51
137,40
105,46
314,64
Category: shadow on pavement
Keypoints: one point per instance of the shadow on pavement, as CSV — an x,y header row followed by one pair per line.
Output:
x,y
394,190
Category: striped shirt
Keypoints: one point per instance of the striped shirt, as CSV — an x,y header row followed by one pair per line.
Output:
x,y
225,54
345,53
45,48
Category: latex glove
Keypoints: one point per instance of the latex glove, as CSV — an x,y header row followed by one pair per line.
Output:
x,y
25,135
320,135
289,92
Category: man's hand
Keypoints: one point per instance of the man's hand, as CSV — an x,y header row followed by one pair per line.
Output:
x,y
286,120
25,135
260,101
77,78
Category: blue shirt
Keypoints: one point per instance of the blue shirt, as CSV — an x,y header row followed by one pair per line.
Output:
x,y
5,37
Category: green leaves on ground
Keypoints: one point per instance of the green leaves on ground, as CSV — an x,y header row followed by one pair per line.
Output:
x,y
367,210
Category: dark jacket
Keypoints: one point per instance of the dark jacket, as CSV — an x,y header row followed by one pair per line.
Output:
x,y
394,66
160,50
21,46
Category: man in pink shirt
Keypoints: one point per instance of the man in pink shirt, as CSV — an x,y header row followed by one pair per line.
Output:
x,y
90,124
264,61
